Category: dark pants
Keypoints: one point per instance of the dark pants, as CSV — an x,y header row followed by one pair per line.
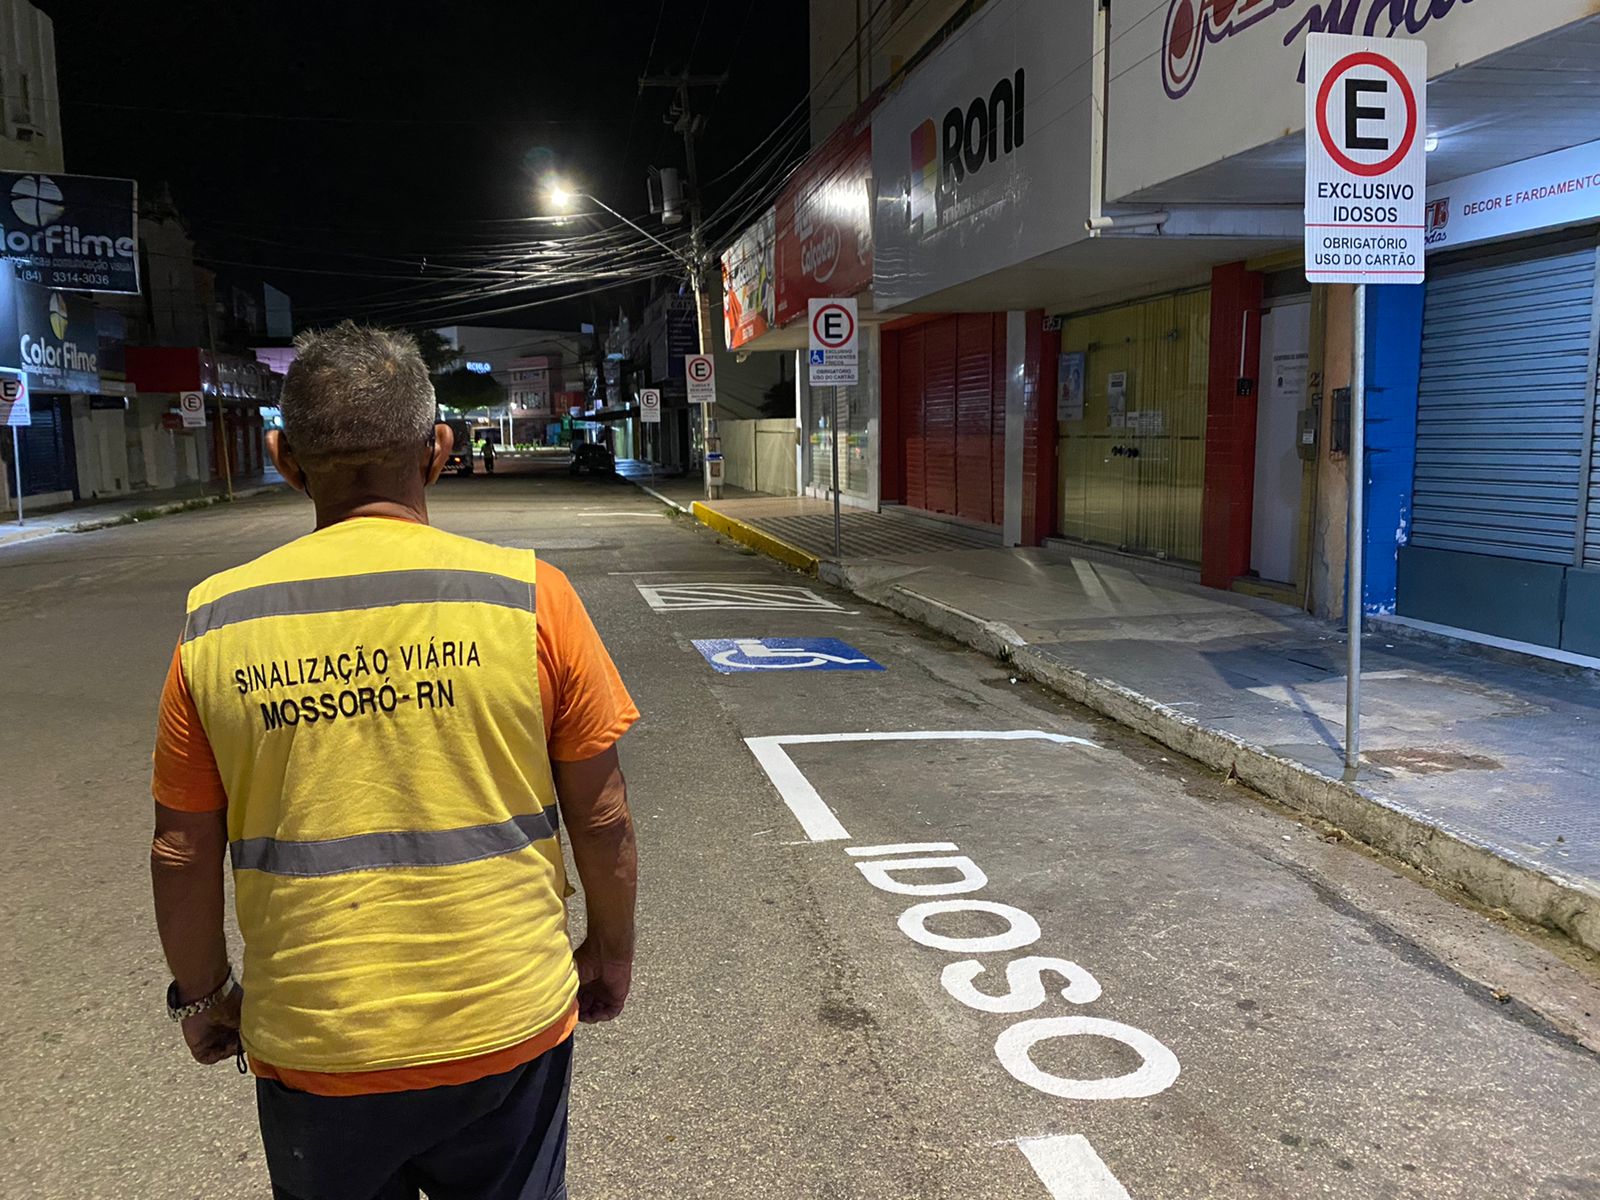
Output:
x,y
500,1138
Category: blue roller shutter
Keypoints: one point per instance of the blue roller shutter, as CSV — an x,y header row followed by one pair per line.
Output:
x,y
1504,413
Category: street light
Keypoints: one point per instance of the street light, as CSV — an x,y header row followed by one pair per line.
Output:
x,y
562,194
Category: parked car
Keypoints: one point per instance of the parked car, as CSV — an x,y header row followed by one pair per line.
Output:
x,y
592,458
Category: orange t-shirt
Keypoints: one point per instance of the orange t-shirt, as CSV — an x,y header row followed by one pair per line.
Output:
x,y
586,709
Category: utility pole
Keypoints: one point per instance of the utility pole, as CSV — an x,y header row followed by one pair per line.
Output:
x,y
683,120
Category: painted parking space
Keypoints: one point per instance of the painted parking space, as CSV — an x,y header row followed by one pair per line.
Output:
x,y
734,597
1067,1166
733,656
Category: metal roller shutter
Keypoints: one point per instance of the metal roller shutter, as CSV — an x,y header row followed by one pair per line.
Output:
x,y
939,415
974,417
912,418
1503,409
1591,533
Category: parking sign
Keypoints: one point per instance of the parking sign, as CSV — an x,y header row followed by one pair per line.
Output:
x,y
14,408
701,372
650,406
1366,159
834,329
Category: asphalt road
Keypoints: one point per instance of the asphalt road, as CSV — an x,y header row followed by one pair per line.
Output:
x,y
1249,1010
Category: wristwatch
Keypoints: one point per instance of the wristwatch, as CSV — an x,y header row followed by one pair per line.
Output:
x,y
179,1011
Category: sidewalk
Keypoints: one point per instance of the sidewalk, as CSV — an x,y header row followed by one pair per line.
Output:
x,y
1484,773
97,514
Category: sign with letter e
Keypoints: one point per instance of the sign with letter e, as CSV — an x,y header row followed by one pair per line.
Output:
x,y
701,372
833,342
1366,158
192,408
650,406
14,407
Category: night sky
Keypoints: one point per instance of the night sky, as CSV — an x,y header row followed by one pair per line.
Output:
x,y
310,135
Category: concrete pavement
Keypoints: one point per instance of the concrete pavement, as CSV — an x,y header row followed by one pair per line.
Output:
x,y
1481,771
804,1026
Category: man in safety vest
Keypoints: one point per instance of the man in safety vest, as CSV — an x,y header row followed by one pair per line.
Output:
x,y
383,726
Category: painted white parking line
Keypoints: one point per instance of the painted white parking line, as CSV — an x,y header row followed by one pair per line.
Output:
x,y
733,597
815,817
1070,1169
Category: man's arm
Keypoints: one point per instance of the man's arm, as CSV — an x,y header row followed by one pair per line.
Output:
x,y
594,808
186,876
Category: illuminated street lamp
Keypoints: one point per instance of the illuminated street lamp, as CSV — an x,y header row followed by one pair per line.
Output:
x,y
561,195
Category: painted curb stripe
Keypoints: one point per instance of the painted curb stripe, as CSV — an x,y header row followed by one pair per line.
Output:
x,y
345,593
750,536
377,851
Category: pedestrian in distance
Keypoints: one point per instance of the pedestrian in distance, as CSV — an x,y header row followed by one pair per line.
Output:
x,y
383,727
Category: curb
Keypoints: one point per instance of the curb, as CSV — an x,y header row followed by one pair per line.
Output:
x,y
171,509
749,535
1485,873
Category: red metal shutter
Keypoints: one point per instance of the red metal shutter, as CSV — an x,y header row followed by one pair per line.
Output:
x,y
974,408
997,461
912,433
939,415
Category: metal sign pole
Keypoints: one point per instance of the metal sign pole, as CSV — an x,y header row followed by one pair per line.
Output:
x,y
222,440
1357,536
16,468
838,533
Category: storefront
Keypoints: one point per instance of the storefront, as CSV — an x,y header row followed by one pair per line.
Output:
x,y
1504,487
1480,384
1132,424
945,377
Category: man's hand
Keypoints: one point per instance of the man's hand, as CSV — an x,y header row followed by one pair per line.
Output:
x,y
213,1035
603,983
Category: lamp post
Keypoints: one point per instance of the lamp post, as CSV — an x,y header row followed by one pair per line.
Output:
x,y
562,195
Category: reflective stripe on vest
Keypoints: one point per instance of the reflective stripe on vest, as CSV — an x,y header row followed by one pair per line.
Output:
x,y
376,851
371,694
345,593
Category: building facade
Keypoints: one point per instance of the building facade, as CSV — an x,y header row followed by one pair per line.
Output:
x,y
1090,318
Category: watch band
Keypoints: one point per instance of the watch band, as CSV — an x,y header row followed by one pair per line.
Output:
x,y
178,1012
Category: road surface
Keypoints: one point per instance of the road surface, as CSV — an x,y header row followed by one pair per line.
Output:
x,y
1111,974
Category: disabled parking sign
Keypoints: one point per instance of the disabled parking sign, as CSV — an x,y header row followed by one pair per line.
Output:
x,y
733,655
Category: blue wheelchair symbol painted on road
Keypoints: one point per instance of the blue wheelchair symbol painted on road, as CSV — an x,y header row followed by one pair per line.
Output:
x,y
819,358
731,655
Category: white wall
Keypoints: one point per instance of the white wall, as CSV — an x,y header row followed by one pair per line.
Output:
x,y
28,53
101,445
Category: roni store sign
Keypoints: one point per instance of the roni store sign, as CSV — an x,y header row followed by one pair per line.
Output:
x,y
980,160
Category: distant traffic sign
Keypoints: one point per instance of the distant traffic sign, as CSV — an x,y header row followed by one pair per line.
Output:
x,y
701,372
650,406
734,655
1366,159
833,358
14,409
192,408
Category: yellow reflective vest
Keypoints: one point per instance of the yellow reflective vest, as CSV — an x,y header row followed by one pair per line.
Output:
x,y
371,693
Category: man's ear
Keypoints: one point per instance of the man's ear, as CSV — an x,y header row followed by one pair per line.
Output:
x,y
444,440
283,458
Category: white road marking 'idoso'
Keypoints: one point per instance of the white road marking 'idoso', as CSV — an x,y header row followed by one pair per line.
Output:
x,y
1068,1166
733,597
1070,1169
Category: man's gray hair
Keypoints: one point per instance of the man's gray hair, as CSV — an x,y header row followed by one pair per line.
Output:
x,y
357,395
